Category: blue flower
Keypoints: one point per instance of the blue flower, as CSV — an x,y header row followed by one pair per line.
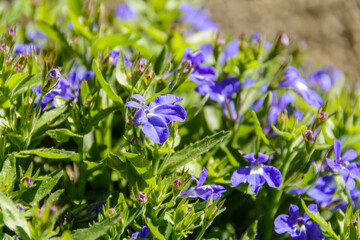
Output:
x,y
144,233
125,12
222,93
230,51
34,34
75,78
201,74
325,78
299,228
293,80
26,48
257,173
256,38
196,18
203,191
114,57
350,171
155,117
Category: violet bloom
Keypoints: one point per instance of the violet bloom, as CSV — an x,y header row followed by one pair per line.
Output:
x,y
34,34
155,117
325,78
76,77
350,171
196,18
293,80
230,51
222,93
125,12
257,173
26,48
299,228
144,233
203,191
201,74
256,38
114,57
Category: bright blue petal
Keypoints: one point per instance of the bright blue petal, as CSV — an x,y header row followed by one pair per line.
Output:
x,y
349,156
250,157
284,223
256,180
313,231
240,176
202,177
145,232
262,157
294,211
272,176
155,129
170,113
139,98
354,169
139,117
134,105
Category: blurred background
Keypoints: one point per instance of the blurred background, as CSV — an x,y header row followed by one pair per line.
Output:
x,y
330,30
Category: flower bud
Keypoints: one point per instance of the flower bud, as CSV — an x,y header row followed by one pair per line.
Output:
x,y
65,220
323,116
111,211
54,73
141,197
20,207
141,67
11,31
308,135
284,39
38,213
28,180
221,41
177,183
18,67
53,209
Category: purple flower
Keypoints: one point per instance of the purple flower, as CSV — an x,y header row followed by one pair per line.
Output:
x,y
257,173
26,48
144,233
222,93
201,74
114,57
20,207
196,18
325,78
299,228
293,80
54,73
62,89
155,117
34,34
230,51
203,191
256,38
76,77
141,197
350,171
206,49
125,12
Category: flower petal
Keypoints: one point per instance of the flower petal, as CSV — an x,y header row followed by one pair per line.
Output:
x,y
204,192
169,99
202,177
354,169
256,180
333,165
284,223
139,98
145,232
349,182
294,211
240,176
250,157
134,105
170,113
313,231
337,150
311,207
155,129
262,157
139,117
272,176
191,193
349,155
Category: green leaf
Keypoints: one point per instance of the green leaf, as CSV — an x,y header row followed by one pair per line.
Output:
x,y
107,88
26,84
309,176
53,33
62,135
75,6
258,128
94,121
285,135
250,232
47,117
160,60
48,153
97,230
43,189
316,217
13,218
14,80
126,170
154,231
194,110
8,172
192,151
113,41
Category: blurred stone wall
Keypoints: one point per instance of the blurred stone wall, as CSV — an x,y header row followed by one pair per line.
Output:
x,y
331,28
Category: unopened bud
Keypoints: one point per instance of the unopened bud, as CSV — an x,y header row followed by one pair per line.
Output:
x,y
148,76
141,197
141,67
308,135
323,116
221,41
28,180
11,31
177,183
54,73
284,39
65,220
111,211
20,207
53,209
38,213
18,67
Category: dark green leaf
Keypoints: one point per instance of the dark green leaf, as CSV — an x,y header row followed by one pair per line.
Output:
x,y
250,232
160,60
94,121
309,176
47,117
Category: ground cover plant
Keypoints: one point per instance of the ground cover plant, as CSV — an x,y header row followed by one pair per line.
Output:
x,y
139,120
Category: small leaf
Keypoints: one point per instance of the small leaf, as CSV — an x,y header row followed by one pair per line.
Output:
x,y
194,150
48,153
26,83
97,230
285,135
309,176
15,80
258,128
47,117
316,217
62,135
154,231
